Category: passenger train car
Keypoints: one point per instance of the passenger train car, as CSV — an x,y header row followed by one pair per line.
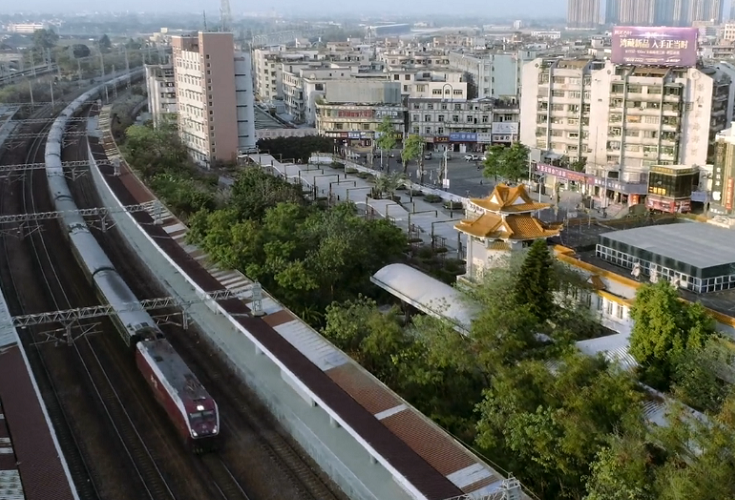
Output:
x,y
192,410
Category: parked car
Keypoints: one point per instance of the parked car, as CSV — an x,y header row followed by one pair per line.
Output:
x,y
427,156
472,157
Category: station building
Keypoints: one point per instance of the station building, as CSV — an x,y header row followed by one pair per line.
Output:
x,y
694,256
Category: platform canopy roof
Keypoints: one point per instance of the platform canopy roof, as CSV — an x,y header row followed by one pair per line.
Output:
x,y
426,294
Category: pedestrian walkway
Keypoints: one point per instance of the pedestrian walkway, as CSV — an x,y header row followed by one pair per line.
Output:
x,y
419,218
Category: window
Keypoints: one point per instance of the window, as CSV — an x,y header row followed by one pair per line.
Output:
x,y
457,92
415,118
428,130
437,92
558,93
427,118
619,311
440,130
560,79
396,77
609,308
455,118
441,118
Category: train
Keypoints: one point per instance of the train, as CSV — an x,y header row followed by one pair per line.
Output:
x,y
190,408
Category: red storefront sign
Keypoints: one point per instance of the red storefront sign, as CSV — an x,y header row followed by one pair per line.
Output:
x,y
728,193
441,138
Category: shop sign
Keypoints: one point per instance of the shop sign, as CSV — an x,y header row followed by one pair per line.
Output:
x,y
502,138
729,193
484,138
463,137
441,139
505,128
717,183
560,172
353,135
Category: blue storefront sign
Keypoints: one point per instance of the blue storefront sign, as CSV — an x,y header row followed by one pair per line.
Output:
x,y
462,137
353,135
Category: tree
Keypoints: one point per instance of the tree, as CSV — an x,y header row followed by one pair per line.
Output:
x,y
79,50
152,151
104,44
388,184
548,423
44,39
412,147
534,287
702,378
494,161
296,148
664,329
387,138
622,471
508,163
255,191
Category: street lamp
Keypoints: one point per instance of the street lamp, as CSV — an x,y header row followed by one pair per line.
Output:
x,y
445,166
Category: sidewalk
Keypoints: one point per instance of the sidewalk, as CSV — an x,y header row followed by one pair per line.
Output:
x,y
417,217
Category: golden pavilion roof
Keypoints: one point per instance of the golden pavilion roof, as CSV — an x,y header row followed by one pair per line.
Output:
x,y
509,200
511,227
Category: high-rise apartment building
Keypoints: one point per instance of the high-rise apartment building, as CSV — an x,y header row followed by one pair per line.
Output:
x,y
631,12
583,14
161,86
214,95
705,10
622,117
671,13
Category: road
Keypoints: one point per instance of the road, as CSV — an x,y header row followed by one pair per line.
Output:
x,y
466,179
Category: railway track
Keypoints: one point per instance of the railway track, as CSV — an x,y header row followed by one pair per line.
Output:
x,y
110,352
245,422
85,479
67,377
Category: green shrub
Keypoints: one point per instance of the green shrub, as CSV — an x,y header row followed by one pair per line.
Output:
x,y
350,170
337,165
432,198
416,192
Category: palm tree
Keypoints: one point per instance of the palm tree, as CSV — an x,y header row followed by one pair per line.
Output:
x,y
388,184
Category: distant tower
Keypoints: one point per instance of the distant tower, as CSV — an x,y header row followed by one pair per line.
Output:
x,y
226,15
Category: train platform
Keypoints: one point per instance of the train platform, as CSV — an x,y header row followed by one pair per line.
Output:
x,y
372,443
32,466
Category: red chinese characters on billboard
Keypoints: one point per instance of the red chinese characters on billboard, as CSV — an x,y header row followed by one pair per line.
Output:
x,y
365,113
654,46
729,193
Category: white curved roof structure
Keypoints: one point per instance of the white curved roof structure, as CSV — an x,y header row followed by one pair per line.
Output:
x,y
426,294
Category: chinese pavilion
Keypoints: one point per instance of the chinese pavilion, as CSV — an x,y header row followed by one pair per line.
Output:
x,y
505,224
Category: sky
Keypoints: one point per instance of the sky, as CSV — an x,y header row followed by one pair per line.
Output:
x,y
482,8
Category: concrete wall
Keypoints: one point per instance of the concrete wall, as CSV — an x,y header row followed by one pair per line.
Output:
x,y
307,423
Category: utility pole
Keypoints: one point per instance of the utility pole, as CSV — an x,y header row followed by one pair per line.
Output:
x,y
102,69
30,86
127,64
114,89
51,86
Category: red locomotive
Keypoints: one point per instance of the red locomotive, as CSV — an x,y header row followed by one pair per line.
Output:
x,y
190,407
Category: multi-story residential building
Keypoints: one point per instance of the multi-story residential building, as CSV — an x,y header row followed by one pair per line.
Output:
x,y
269,63
214,95
352,110
624,118
25,28
431,83
302,84
583,14
466,126
161,85
491,74
631,12
723,173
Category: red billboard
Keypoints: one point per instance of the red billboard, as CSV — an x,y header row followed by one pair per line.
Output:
x,y
654,46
